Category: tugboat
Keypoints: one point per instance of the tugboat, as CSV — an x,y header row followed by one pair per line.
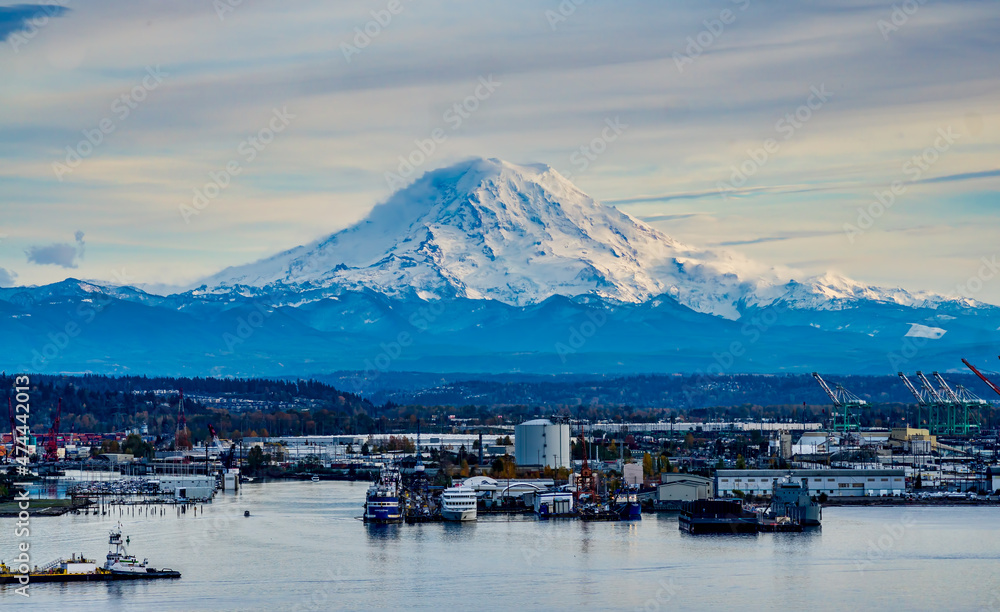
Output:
x,y
119,566
628,506
382,501
124,566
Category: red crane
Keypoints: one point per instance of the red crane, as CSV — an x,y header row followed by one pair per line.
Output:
x,y
585,485
52,444
988,382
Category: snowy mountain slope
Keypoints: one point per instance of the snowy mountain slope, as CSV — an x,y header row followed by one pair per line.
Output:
x,y
488,229
491,267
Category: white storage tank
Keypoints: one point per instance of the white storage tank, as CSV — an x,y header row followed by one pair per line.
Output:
x,y
541,443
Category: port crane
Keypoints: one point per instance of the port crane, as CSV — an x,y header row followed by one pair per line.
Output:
x,y
922,399
846,415
937,406
52,444
948,410
958,418
989,383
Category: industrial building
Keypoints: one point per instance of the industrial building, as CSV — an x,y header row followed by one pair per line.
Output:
x,y
674,489
835,483
191,487
542,443
632,474
993,478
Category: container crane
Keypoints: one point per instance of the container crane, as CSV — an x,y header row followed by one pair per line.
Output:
x,y
922,401
846,415
937,408
957,413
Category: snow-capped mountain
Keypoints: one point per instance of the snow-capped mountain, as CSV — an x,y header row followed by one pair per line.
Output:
x,y
488,266
489,229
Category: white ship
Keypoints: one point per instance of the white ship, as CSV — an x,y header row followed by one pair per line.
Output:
x,y
458,504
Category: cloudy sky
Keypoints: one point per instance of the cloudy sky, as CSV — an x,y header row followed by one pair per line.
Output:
x,y
159,141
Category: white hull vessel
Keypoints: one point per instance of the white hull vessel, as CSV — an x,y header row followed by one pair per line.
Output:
x,y
458,515
458,504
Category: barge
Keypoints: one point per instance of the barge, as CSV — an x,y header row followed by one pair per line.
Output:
x,y
119,566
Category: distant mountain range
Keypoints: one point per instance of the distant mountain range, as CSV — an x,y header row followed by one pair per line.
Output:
x,y
488,266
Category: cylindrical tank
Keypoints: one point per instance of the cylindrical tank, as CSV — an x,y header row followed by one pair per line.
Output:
x,y
542,443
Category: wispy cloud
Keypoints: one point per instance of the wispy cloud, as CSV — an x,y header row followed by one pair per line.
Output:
x,y
609,59
787,236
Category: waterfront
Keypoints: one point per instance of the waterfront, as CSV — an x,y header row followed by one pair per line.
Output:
x,y
302,548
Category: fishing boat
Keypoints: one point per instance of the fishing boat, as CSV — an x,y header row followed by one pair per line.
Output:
x,y
382,501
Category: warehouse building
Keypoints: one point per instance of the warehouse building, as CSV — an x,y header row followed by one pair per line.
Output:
x,y
835,483
675,489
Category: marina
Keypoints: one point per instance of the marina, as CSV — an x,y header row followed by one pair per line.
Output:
x,y
937,557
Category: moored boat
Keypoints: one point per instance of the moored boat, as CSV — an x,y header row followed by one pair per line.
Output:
x,y
119,566
458,504
791,499
382,500
716,516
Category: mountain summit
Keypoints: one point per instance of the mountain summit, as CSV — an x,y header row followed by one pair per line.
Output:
x,y
489,229
520,234
526,273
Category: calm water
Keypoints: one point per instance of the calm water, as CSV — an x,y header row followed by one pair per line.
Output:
x,y
303,549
